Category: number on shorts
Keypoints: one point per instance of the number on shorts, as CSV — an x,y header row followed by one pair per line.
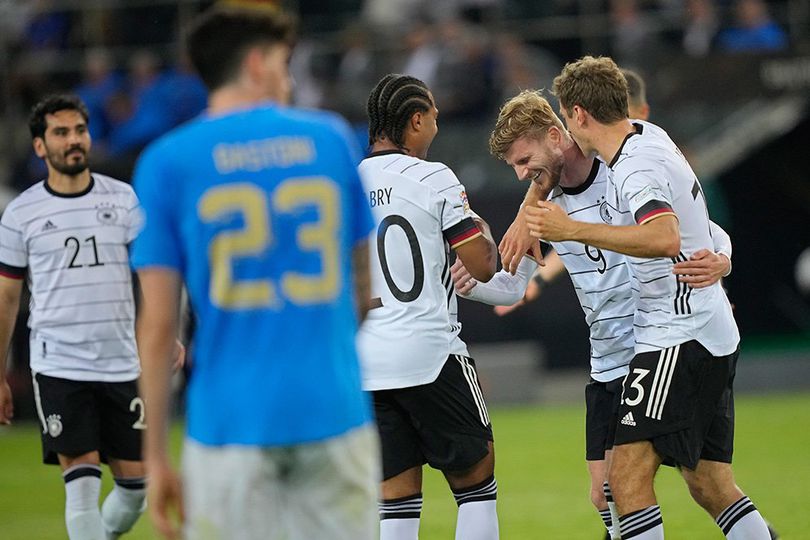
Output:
x,y
137,403
636,384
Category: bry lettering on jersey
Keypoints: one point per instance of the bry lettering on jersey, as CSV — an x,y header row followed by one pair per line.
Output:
x,y
378,197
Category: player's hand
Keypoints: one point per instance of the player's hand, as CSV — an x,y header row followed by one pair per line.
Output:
x,y
704,268
179,356
165,499
6,403
531,294
549,222
516,243
462,280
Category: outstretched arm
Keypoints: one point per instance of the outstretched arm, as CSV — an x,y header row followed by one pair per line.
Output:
x,y
705,267
518,240
503,289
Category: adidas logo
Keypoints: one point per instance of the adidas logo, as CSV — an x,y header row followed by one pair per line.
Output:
x,y
628,419
49,226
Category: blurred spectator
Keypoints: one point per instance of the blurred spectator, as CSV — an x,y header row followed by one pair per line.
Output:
x,y
423,52
160,101
520,66
754,30
636,40
700,27
47,28
356,73
100,84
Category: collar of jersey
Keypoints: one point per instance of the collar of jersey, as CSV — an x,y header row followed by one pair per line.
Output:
x,y
386,152
639,129
586,184
81,193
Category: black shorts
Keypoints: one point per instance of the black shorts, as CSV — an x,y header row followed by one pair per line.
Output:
x,y
601,415
681,399
78,417
444,423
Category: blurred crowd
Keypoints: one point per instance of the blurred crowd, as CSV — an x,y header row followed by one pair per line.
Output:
x,y
123,61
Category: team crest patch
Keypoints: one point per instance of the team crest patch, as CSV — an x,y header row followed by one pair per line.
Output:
x,y
604,212
106,214
465,203
54,424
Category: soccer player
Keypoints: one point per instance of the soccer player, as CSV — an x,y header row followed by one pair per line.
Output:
x,y
258,208
427,399
68,236
677,401
532,140
637,106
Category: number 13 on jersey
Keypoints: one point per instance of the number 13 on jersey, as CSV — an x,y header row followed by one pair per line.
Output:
x,y
256,236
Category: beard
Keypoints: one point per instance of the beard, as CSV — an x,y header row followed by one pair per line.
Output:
x,y
67,165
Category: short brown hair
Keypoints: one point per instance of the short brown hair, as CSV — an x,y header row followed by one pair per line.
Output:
x,y
220,37
595,84
636,89
526,114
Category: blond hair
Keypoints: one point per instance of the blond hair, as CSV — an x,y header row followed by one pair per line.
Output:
x,y
597,85
527,114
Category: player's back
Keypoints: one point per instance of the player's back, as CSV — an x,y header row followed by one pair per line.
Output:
x,y
409,332
655,178
263,210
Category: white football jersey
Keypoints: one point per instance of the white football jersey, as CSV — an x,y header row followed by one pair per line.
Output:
x,y
601,279
421,213
72,249
649,177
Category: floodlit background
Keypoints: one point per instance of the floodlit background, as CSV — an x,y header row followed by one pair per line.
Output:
x,y
729,80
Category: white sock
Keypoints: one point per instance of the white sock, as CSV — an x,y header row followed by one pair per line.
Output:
x,y
123,506
477,514
644,524
399,518
82,517
613,529
742,521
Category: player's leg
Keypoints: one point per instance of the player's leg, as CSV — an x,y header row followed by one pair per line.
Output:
x,y
400,505
121,428
69,418
602,403
330,488
233,492
455,435
475,491
631,473
712,483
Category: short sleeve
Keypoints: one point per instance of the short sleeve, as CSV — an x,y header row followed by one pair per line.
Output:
x,y
158,242
136,217
456,216
13,253
645,188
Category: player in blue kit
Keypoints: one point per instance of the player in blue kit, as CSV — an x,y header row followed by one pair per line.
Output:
x,y
258,209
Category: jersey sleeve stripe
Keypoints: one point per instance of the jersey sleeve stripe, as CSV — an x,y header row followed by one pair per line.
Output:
x,y
13,272
652,209
462,232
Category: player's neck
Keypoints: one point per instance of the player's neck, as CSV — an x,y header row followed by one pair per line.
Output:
x,y
233,98
385,145
577,167
611,137
68,184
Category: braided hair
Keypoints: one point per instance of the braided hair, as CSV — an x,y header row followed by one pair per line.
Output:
x,y
392,103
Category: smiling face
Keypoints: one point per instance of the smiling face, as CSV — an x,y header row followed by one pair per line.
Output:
x,y
66,142
538,160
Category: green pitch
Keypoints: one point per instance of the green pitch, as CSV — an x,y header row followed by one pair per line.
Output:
x,y
542,479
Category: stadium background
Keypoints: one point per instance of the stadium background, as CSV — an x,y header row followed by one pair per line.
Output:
x,y
729,79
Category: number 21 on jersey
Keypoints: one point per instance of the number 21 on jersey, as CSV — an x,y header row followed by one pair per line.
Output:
x,y
256,235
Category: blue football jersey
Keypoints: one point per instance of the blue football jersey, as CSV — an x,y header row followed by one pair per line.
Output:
x,y
259,211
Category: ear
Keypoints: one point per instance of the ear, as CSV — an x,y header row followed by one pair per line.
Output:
x,y
416,121
252,64
554,135
580,115
39,147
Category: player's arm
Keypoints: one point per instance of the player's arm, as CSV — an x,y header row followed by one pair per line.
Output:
x,y
10,291
362,280
503,289
706,267
478,253
156,331
657,236
518,239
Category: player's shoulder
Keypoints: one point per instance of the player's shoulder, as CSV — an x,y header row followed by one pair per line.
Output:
x,y
109,185
32,194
